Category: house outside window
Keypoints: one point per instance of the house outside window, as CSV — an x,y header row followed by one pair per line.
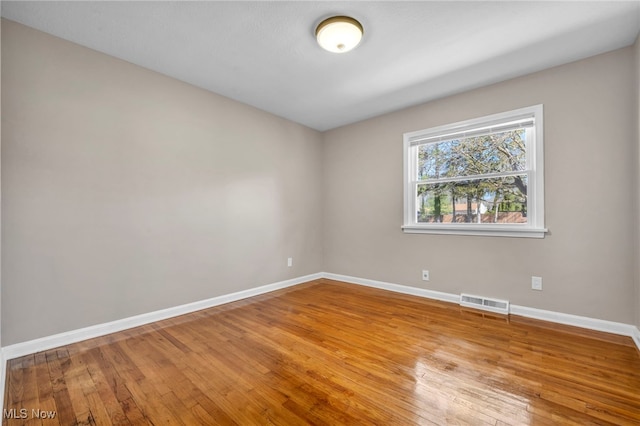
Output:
x,y
483,176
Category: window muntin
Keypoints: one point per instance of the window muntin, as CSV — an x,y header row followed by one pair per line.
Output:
x,y
480,174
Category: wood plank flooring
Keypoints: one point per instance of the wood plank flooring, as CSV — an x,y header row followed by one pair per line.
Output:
x,y
331,353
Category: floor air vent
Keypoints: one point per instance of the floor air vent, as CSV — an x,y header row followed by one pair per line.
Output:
x,y
479,302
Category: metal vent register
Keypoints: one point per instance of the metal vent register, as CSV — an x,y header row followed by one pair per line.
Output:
x,y
485,303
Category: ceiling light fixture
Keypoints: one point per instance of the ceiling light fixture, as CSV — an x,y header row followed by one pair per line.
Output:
x,y
339,34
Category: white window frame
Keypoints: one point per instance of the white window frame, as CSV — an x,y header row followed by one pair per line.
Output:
x,y
534,228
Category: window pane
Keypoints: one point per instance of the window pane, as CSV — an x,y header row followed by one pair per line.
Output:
x,y
495,153
495,200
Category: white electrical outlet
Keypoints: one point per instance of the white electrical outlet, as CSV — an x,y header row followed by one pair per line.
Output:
x,y
425,275
290,261
536,283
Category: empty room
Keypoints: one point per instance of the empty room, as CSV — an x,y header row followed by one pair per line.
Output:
x,y
320,212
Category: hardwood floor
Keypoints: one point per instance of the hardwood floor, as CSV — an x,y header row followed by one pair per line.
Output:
x,y
332,353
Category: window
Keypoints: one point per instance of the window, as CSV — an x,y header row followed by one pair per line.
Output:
x,y
477,177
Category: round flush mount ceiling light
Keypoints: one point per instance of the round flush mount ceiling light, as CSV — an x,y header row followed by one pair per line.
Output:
x,y
339,34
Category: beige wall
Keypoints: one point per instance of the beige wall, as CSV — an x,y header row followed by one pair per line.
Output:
x,y
636,47
1,297
587,260
125,191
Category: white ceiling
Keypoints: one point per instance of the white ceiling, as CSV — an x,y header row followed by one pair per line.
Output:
x,y
264,53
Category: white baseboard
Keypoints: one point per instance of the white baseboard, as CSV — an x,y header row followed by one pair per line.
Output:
x,y
557,317
73,336
429,294
575,320
636,337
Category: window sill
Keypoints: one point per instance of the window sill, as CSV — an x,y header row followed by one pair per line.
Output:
x,y
514,231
